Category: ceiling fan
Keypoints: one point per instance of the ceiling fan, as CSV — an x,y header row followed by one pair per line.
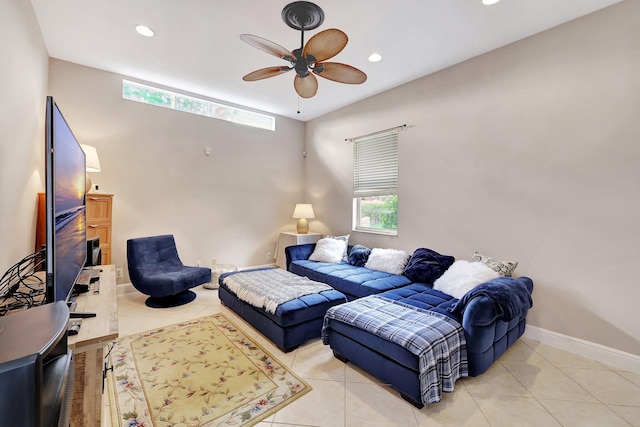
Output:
x,y
308,59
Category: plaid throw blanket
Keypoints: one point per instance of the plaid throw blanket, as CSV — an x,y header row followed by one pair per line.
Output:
x,y
436,339
269,288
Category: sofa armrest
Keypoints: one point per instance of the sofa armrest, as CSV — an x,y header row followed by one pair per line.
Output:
x,y
296,252
493,318
479,312
486,335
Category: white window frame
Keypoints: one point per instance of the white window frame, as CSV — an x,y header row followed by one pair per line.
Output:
x,y
375,173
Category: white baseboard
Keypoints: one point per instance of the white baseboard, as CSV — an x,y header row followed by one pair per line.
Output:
x,y
257,266
610,356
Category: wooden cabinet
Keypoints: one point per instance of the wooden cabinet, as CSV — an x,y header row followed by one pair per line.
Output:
x,y
99,222
291,239
41,223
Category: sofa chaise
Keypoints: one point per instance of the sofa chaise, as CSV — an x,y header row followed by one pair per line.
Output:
x,y
492,316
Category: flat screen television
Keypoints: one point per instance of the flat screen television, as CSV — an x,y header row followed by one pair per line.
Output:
x,y
65,206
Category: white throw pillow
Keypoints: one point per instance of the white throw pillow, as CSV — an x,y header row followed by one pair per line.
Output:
x,y
463,276
328,250
388,260
345,255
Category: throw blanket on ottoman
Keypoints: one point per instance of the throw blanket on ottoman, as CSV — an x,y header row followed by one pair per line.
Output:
x,y
269,288
437,340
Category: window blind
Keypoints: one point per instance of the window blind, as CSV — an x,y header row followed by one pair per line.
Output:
x,y
375,165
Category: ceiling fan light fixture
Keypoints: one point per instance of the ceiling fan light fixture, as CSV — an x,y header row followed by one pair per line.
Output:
x,y
375,57
143,30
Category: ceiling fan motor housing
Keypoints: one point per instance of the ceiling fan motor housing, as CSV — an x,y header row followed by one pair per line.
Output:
x,y
303,64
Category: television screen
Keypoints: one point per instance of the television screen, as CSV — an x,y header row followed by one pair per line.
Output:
x,y
65,172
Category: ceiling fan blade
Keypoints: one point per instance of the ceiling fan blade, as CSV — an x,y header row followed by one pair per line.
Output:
x,y
326,44
341,73
306,86
268,46
264,73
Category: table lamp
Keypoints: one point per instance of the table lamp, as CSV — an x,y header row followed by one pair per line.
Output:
x,y
92,163
303,211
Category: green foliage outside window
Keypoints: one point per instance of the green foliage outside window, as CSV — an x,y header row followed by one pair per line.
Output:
x,y
381,211
390,213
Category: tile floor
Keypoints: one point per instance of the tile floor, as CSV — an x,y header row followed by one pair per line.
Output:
x,y
531,385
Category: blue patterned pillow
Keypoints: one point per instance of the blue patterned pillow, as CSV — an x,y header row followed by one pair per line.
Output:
x,y
359,255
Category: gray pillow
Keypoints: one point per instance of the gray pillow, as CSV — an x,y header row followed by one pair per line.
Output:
x,y
505,268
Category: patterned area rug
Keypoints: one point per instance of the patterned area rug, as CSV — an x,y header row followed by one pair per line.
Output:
x,y
204,372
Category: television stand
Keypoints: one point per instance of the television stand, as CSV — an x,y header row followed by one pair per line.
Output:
x,y
89,348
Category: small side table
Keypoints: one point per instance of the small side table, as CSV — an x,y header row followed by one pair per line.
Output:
x,y
216,271
290,239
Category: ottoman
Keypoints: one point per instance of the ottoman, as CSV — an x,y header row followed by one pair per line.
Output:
x,y
293,323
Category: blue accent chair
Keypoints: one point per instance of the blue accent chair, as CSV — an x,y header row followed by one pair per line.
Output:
x,y
156,270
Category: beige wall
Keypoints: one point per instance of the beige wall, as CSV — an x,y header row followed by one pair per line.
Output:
x,y
23,85
529,153
229,205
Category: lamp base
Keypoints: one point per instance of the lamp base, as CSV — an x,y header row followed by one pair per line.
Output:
x,y
303,226
87,183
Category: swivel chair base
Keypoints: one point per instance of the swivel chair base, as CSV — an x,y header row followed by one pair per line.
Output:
x,y
181,298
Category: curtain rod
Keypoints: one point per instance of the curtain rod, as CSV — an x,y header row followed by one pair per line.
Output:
x,y
375,133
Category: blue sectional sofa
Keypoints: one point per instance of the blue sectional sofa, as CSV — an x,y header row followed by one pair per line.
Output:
x,y
493,317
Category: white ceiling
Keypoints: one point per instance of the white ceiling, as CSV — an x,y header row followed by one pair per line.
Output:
x,y
197,49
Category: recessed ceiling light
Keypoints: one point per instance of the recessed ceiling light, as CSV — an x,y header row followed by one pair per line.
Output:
x,y
375,57
143,30
489,2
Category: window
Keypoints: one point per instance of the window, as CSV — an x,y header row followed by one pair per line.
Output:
x,y
375,183
164,98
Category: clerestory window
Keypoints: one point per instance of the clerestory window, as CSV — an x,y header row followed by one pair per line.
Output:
x,y
163,98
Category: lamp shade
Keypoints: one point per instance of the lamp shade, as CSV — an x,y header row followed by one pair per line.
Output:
x,y
303,210
93,162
